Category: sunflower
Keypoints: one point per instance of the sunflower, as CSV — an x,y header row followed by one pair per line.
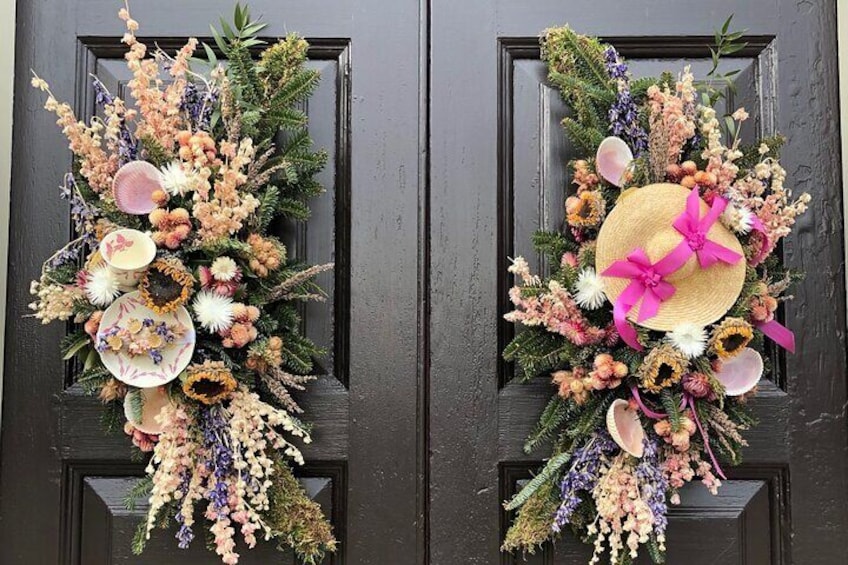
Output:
x,y
730,337
209,383
663,367
586,210
166,285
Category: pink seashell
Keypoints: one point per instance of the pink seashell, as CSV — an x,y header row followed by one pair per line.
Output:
x,y
153,399
613,159
134,186
625,428
741,373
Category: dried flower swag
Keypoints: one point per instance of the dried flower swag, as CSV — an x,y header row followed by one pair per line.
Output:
x,y
685,417
195,171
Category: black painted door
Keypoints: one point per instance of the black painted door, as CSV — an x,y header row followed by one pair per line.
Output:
x,y
498,172
62,479
446,156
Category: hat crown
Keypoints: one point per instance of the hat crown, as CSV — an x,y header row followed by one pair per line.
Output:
x,y
643,218
663,242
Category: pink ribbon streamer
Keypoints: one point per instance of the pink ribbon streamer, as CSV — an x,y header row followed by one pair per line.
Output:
x,y
774,330
647,283
694,230
778,333
688,400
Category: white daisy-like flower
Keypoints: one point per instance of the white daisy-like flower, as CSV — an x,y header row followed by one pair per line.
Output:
x,y
737,218
213,311
224,269
689,339
101,287
175,180
589,290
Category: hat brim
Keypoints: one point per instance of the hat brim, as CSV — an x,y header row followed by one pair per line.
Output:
x,y
699,299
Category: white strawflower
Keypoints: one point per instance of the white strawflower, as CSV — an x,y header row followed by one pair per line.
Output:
x,y
689,339
738,218
213,311
101,287
224,269
589,290
175,180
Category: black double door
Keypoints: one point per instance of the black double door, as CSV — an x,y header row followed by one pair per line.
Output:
x,y
446,154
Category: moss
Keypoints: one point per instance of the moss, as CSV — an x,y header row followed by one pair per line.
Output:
x,y
532,525
296,520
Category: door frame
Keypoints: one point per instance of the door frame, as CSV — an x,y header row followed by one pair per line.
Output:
x,y
7,97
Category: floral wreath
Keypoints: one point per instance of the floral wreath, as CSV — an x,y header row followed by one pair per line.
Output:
x,y
188,305
663,286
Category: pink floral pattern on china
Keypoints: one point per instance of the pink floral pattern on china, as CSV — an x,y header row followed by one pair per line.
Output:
x,y
142,371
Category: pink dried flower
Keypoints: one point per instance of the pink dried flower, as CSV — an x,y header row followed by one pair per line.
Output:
x,y
697,384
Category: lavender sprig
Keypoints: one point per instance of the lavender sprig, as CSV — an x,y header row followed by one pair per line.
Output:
x,y
127,145
654,485
184,534
220,464
198,105
623,114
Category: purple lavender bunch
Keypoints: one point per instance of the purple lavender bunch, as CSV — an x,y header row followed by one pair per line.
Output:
x,y
581,477
654,485
215,438
623,114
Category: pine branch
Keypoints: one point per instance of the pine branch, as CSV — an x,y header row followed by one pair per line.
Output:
x,y
671,404
548,473
555,414
140,489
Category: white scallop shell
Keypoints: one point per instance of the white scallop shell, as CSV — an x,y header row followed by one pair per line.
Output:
x,y
153,400
741,373
134,185
625,428
613,159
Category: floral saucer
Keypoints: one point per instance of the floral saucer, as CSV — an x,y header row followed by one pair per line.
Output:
x,y
139,366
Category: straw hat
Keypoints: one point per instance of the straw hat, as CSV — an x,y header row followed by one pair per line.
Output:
x,y
643,218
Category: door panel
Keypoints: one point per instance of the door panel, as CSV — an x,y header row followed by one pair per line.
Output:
x,y
499,160
62,478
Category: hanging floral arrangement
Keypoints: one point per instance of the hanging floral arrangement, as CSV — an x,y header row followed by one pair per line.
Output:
x,y
186,299
663,287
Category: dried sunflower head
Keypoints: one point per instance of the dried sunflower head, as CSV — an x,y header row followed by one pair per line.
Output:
x,y
166,285
663,367
730,337
585,210
209,383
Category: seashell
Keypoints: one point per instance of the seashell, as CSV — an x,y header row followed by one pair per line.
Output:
x,y
741,373
134,186
625,428
613,159
153,400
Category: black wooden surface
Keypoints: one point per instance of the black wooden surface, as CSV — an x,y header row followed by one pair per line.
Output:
x,y
446,154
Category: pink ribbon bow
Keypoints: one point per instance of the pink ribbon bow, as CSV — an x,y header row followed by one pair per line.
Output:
x,y
647,283
694,230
